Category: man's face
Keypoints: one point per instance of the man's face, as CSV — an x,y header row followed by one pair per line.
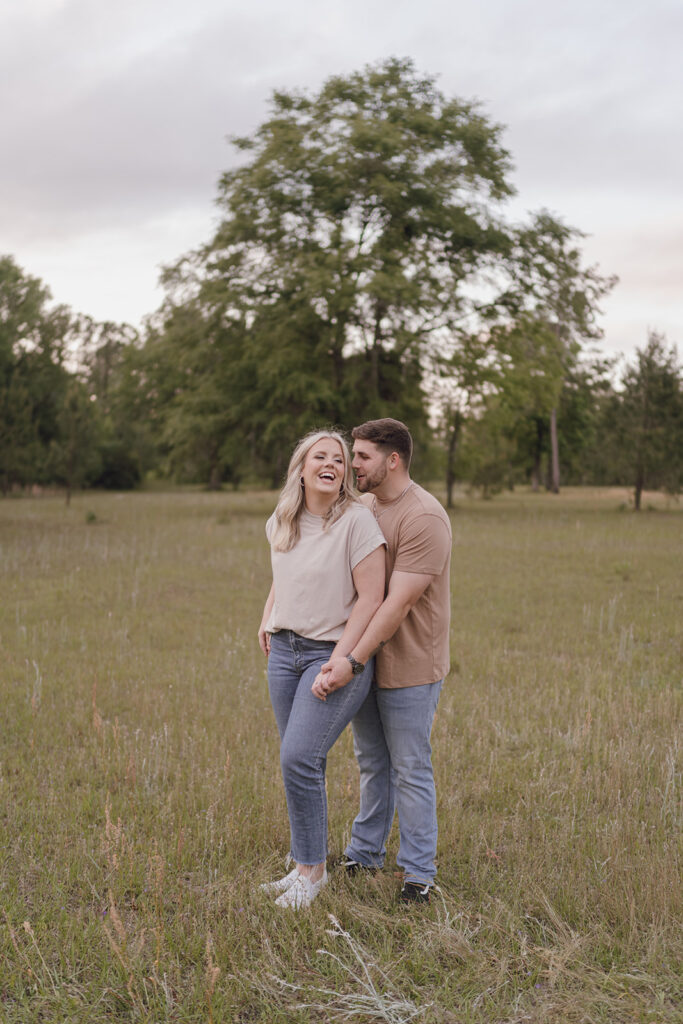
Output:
x,y
369,464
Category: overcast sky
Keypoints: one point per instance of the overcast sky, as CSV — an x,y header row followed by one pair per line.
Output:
x,y
115,114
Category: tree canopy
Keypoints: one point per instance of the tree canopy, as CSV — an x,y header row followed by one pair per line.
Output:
x,y
648,420
350,238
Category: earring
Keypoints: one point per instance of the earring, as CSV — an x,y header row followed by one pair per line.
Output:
x,y
302,482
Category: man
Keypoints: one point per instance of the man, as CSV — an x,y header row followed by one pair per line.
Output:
x,y
410,636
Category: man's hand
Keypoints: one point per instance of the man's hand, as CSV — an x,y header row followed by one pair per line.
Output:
x,y
334,674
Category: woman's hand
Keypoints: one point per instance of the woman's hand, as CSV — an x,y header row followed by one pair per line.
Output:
x,y
264,640
327,680
321,686
263,635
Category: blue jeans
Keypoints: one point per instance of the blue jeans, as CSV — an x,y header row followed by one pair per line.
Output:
x,y
308,728
391,734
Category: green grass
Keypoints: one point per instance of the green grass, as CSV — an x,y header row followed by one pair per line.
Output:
x,y
141,800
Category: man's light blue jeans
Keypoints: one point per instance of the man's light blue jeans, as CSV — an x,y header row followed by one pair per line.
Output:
x,y
391,738
308,729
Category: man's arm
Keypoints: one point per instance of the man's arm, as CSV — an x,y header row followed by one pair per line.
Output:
x,y
368,579
405,589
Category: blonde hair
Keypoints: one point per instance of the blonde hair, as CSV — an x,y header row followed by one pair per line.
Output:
x,y
292,498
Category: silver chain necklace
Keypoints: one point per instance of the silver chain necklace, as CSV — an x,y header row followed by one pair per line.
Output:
x,y
378,515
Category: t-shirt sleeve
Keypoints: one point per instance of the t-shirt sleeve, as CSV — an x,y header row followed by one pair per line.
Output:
x,y
270,525
423,546
365,537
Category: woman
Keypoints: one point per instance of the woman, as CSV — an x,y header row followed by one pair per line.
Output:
x,y
328,581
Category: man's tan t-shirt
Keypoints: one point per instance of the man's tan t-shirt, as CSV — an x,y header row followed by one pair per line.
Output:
x,y
314,589
418,534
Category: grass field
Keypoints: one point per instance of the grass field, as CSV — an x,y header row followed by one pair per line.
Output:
x,y
141,799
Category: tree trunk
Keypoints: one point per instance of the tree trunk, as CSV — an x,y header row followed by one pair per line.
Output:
x,y
70,474
338,356
555,454
215,477
536,468
376,349
451,458
638,489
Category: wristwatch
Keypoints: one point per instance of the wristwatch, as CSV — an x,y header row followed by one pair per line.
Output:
x,y
356,666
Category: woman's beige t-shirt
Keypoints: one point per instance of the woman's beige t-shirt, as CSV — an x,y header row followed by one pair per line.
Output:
x,y
314,590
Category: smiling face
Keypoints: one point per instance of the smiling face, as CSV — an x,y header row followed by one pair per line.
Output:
x,y
370,464
323,470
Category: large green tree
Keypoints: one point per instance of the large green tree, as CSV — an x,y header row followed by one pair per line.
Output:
x,y
464,378
512,375
111,366
351,234
70,407
532,368
75,456
649,419
34,335
199,381
549,281
521,354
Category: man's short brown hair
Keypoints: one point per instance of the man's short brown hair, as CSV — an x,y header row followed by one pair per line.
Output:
x,y
389,435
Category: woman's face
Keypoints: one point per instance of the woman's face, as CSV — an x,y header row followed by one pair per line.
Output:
x,y
323,470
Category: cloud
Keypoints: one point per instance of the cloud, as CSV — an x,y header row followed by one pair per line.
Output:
x,y
118,115
114,117
120,108
113,274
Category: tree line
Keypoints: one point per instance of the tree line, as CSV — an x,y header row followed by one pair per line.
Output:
x,y
362,266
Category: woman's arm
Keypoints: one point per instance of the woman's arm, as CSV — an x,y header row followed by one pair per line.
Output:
x,y
368,579
263,637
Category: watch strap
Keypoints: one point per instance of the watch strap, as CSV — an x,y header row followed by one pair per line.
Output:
x,y
356,666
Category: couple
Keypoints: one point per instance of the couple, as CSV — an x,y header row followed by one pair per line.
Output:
x,y
351,575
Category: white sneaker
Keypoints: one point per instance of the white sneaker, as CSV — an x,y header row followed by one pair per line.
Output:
x,y
301,893
281,885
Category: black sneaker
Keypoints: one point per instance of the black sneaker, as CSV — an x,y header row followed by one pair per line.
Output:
x,y
414,892
354,867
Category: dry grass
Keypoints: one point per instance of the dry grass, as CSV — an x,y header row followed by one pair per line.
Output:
x,y
140,794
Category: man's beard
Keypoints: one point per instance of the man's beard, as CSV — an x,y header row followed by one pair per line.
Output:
x,y
372,480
